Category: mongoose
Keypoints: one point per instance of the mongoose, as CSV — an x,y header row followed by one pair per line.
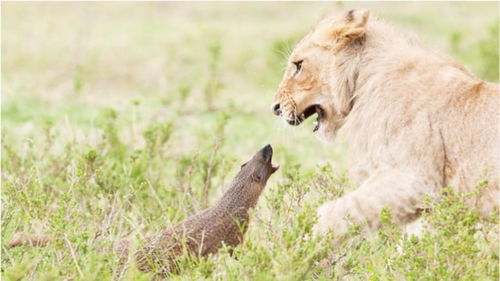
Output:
x,y
222,224
201,234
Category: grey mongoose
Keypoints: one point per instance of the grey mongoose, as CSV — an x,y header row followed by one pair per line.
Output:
x,y
222,224
201,234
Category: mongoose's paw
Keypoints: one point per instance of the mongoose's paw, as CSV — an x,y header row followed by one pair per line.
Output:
x,y
33,240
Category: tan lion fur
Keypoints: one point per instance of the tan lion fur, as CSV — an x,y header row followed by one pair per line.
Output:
x,y
414,119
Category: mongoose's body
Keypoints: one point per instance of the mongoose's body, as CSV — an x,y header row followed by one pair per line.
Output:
x,y
205,232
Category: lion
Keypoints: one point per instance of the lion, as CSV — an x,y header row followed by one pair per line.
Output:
x,y
414,119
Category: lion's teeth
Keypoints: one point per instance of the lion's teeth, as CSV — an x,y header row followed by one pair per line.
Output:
x,y
316,125
302,116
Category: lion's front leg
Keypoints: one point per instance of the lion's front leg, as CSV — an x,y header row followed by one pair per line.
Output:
x,y
401,192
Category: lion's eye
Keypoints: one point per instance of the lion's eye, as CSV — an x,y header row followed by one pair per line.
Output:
x,y
298,66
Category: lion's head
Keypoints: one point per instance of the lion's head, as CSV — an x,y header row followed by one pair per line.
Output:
x,y
321,73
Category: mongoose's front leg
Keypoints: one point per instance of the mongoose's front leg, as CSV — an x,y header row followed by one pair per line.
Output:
x,y
400,191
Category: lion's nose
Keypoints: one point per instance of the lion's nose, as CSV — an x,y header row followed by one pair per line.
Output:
x,y
276,109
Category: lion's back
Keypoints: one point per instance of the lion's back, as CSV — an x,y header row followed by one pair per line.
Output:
x,y
471,131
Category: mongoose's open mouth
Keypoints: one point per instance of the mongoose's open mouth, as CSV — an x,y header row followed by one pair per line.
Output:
x,y
275,167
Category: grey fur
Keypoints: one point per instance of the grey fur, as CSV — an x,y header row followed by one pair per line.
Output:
x,y
205,232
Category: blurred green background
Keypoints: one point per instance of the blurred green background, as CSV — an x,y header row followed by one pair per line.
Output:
x,y
64,62
123,117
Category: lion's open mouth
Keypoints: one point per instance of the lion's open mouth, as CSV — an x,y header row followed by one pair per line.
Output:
x,y
308,112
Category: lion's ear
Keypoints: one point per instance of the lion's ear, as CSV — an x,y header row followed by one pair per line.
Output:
x,y
357,18
342,30
355,24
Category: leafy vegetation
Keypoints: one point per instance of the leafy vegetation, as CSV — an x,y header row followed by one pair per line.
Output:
x,y
120,119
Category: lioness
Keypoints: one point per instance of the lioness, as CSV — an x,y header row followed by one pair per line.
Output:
x,y
415,119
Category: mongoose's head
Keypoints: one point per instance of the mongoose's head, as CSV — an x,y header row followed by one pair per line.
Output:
x,y
248,184
260,167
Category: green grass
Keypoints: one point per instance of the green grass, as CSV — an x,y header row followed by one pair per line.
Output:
x,y
118,119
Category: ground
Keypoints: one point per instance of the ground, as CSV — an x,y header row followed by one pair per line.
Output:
x,y
122,118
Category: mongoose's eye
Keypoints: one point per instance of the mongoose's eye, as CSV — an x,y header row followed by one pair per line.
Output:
x,y
257,178
298,66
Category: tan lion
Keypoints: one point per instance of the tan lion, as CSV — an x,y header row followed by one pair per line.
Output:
x,y
415,119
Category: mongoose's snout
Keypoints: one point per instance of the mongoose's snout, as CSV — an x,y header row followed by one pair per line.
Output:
x,y
267,153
